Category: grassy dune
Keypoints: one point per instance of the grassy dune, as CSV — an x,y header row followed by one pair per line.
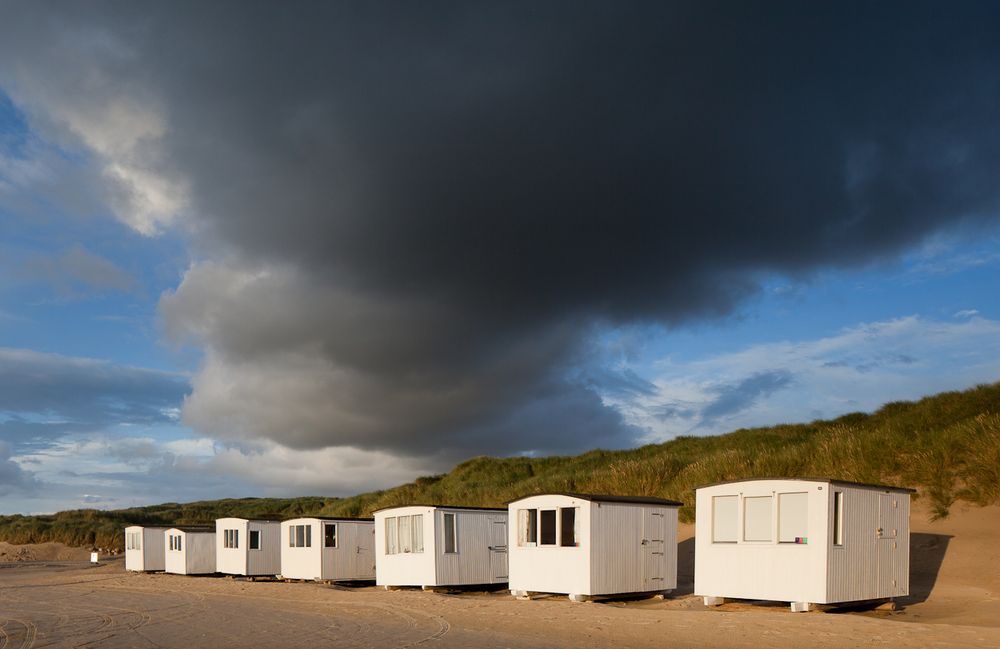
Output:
x,y
947,446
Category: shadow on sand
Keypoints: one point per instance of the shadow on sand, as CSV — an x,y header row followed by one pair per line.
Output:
x,y
926,556
685,568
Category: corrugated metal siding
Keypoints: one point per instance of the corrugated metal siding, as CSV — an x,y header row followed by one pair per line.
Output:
x,y
354,557
619,560
473,563
199,553
867,566
266,560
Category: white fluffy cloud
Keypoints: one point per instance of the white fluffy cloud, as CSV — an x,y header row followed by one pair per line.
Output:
x,y
857,369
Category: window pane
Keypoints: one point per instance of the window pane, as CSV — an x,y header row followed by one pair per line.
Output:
x,y
757,518
567,520
449,533
527,526
725,512
405,536
179,543
391,547
838,518
309,535
300,536
418,532
254,539
548,525
236,538
793,518
330,535
291,536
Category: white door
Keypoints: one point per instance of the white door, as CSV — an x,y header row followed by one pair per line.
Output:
x,y
498,551
654,531
888,532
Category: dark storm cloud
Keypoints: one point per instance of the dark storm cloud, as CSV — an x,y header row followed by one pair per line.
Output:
x,y
455,195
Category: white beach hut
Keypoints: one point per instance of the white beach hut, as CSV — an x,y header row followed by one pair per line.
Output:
x,y
335,549
144,548
438,545
585,545
803,541
246,546
190,550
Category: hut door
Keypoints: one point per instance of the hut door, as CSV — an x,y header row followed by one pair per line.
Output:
x,y
654,530
498,551
887,534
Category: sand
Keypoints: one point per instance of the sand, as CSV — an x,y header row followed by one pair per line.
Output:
x,y
62,603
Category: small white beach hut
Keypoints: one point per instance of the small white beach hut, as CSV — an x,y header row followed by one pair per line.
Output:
x,y
246,546
144,548
439,545
586,545
334,549
190,550
803,541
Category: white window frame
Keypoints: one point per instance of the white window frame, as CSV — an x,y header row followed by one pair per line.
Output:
x,y
250,537
784,501
731,502
454,533
838,519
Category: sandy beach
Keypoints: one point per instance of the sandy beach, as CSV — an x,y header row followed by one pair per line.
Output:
x,y
56,601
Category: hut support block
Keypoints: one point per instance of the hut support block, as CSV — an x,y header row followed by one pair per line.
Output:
x,y
800,607
714,601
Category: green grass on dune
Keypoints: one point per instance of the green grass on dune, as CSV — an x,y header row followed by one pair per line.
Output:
x,y
947,446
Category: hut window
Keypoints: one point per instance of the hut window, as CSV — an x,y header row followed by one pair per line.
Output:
x,y
132,541
757,518
793,518
417,529
300,536
391,547
254,539
548,525
175,542
231,538
725,515
527,527
330,535
450,540
568,531
838,518
405,534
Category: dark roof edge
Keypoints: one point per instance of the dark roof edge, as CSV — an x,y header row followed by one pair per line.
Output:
x,y
846,483
343,519
193,528
482,509
599,498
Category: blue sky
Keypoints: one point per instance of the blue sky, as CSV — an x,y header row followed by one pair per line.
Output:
x,y
212,293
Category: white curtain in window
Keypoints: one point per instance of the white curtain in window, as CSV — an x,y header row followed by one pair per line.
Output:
x,y
391,544
418,532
